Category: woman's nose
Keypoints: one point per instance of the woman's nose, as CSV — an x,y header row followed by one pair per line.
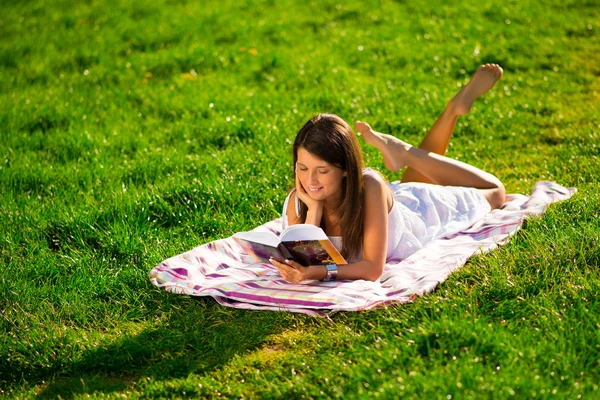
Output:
x,y
312,178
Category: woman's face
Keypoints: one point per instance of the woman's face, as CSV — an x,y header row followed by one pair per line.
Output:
x,y
320,179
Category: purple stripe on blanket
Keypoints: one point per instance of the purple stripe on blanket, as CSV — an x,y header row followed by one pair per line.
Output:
x,y
179,271
260,287
268,299
250,306
176,273
488,229
287,287
397,292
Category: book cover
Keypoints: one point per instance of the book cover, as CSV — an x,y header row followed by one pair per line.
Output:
x,y
313,252
306,244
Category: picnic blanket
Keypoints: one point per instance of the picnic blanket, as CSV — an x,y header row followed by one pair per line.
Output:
x,y
222,270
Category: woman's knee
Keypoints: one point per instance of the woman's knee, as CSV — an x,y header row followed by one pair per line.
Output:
x,y
498,197
495,196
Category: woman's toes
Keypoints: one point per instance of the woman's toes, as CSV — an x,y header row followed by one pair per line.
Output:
x,y
497,70
362,127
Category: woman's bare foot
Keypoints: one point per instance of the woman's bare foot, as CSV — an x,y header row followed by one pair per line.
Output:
x,y
393,149
483,80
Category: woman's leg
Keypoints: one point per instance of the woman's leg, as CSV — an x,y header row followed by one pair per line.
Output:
x,y
436,141
427,163
438,137
445,171
442,170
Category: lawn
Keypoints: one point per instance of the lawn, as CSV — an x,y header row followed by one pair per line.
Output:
x,y
131,133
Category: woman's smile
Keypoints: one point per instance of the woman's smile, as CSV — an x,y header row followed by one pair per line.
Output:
x,y
320,179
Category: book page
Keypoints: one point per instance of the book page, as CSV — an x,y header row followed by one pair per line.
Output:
x,y
302,232
259,237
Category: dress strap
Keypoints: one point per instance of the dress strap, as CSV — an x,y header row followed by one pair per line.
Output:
x,y
287,200
285,222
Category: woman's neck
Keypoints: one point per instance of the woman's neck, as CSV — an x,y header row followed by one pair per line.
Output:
x,y
331,222
332,204
331,216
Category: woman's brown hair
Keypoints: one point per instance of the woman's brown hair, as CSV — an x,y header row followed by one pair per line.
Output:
x,y
330,138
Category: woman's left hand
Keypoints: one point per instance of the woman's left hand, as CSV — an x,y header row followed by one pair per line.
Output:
x,y
291,271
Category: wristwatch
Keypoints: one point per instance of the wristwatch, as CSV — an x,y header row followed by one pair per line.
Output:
x,y
332,271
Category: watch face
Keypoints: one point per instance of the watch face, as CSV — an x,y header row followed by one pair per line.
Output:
x,y
332,272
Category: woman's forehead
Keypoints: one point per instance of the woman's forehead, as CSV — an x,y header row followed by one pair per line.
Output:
x,y
307,158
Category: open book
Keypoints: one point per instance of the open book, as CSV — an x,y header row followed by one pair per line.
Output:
x,y
307,244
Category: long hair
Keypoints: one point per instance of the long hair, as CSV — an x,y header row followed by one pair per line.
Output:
x,y
331,139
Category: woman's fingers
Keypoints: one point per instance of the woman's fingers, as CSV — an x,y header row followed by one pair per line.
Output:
x,y
278,263
300,192
289,274
297,179
287,264
289,270
298,186
293,264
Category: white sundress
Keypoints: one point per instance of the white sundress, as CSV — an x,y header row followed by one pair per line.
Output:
x,y
421,213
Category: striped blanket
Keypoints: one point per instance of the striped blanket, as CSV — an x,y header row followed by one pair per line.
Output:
x,y
222,270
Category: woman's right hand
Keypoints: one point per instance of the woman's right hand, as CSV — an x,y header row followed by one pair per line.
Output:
x,y
315,207
311,203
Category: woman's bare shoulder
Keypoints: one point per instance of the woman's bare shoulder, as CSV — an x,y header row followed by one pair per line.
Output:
x,y
376,186
374,180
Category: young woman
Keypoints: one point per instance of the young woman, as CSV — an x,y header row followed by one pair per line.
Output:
x,y
357,208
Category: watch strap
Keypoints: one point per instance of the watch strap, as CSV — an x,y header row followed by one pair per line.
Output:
x,y
332,271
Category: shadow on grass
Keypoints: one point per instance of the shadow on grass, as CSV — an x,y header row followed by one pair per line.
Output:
x,y
196,338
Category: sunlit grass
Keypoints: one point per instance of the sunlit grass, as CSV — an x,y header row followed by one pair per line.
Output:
x,y
133,133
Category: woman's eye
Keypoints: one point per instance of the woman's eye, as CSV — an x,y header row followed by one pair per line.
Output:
x,y
303,169
323,172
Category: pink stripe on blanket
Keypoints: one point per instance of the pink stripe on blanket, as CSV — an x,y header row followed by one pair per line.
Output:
x,y
266,299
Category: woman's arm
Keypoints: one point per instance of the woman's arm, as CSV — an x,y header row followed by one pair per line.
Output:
x,y
377,203
315,207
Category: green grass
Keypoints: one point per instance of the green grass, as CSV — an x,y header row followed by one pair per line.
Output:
x,y
133,133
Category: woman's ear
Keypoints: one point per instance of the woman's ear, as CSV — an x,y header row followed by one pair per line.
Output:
x,y
345,174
